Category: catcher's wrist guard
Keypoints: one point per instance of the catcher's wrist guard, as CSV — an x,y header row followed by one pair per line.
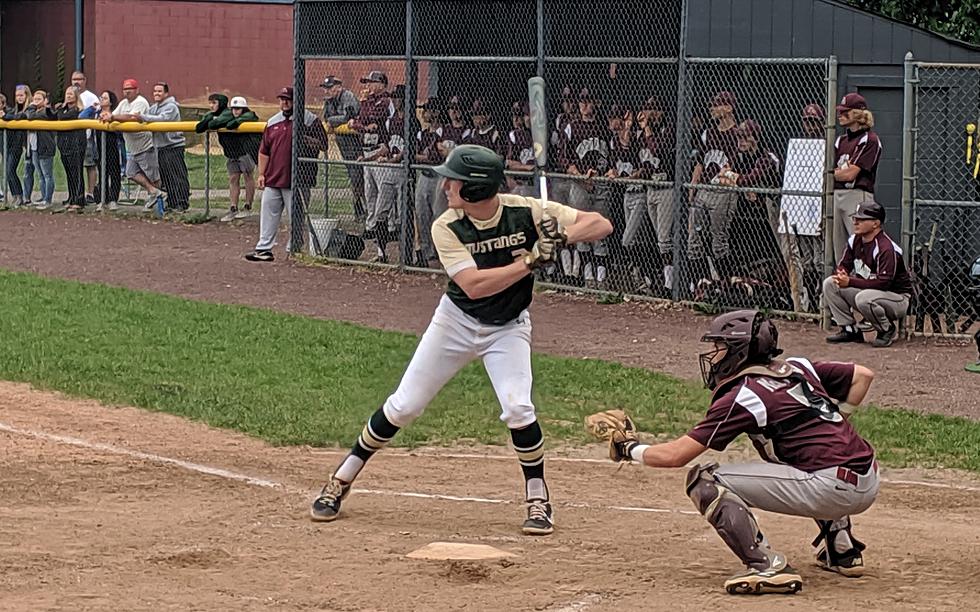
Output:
x,y
617,428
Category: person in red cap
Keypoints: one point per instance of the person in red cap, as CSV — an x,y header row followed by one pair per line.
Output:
x,y
710,211
856,155
142,164
280,189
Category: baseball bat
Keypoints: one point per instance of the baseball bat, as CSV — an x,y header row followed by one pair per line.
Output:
x,y
539,130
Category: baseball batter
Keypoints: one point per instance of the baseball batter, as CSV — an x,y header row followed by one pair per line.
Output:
x,y
488,244
794,412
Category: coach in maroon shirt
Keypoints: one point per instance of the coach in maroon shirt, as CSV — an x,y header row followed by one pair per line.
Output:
x,y
814,462
856,155
870,277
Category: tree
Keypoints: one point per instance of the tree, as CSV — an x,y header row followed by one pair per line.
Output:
x,y
958,19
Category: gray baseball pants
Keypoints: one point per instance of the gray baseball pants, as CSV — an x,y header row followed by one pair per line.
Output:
x,y
846,202
710,212
656,203
430,203
274,201
880,308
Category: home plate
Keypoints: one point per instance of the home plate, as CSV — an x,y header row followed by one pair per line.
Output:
x,y
458,551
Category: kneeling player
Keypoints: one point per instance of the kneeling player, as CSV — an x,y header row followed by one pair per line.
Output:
x,y
793,411
489,244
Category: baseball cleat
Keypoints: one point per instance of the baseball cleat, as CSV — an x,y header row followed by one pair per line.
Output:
x,y
260,256
846,336
326,507
850,563
539,519
772,580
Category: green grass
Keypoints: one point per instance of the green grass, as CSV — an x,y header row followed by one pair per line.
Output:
x,y
295,380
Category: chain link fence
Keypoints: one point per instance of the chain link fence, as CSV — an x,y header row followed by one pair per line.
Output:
x,y
710,206
943,231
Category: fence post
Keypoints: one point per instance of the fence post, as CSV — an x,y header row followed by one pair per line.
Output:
x,y
829,257
681,157
5,187
298,213
407,237
207,174
540,34
103,177
907,179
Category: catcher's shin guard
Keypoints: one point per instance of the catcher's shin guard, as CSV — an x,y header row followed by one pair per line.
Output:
x,y
731,518
837,548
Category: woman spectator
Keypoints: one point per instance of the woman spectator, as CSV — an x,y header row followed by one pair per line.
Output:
x,y
112,161
71,145
16,140
40,150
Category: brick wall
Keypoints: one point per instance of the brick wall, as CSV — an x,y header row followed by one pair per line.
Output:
x,y
197,47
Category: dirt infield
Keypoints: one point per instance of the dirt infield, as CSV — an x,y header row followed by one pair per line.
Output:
x,y
204,262
85,525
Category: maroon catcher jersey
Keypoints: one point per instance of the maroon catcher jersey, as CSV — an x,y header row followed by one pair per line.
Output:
x,y
716,149
586,146
758,402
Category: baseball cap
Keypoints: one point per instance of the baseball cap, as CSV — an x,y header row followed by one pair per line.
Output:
x,y
375,76
479,108
870,210
131,84
566,93
585,95
723,98
852,101
813,111
286,93
238,102
329,81
432,104
749,129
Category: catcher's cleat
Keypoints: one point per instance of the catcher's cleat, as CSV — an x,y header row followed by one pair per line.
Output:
x,y
326,507
850,563
539,519
774,579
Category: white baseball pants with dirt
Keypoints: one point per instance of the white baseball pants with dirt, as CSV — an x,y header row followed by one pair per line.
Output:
x,y
829,494
274,202
454,339
880,308
846,202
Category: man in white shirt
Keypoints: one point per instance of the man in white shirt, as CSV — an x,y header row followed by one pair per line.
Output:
x,y
142,164
89,100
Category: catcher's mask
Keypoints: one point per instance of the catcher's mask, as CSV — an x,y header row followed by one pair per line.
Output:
x,y
746,337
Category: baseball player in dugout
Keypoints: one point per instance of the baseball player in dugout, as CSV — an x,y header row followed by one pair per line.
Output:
x,y
795,413
871,277
489,244
856,155
710,212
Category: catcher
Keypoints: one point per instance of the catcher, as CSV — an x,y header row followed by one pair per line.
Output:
x,y
795,413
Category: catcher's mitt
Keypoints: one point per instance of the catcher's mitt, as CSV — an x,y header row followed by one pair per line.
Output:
x,y
616,427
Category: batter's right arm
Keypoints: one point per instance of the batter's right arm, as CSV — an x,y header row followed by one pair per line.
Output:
x,y
484,283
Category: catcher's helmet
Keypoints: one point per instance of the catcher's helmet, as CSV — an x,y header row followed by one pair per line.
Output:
x,y
480,169
747,337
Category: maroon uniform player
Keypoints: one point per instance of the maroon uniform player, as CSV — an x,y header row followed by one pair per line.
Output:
x,y
483,132
856,156
370,123
711,209
520,149
814,463
430,200
586,154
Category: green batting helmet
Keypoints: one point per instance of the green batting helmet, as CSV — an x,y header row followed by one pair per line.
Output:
x,y
480,169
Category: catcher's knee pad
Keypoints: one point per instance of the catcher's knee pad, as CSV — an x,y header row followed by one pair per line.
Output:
x,y
702,488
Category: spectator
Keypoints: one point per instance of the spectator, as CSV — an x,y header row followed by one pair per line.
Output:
x,y
16,142
453,131
142,164
369,123
391,199
870,277
90,104
710,211
40,151
170,148
586,154
856,156
559,187
111,178
656,158
483,132
340,105
430,199
242,166
275,173
520,150
71,145
812,122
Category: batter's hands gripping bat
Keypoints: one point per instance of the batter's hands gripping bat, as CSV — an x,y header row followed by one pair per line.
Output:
x,y
539,130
